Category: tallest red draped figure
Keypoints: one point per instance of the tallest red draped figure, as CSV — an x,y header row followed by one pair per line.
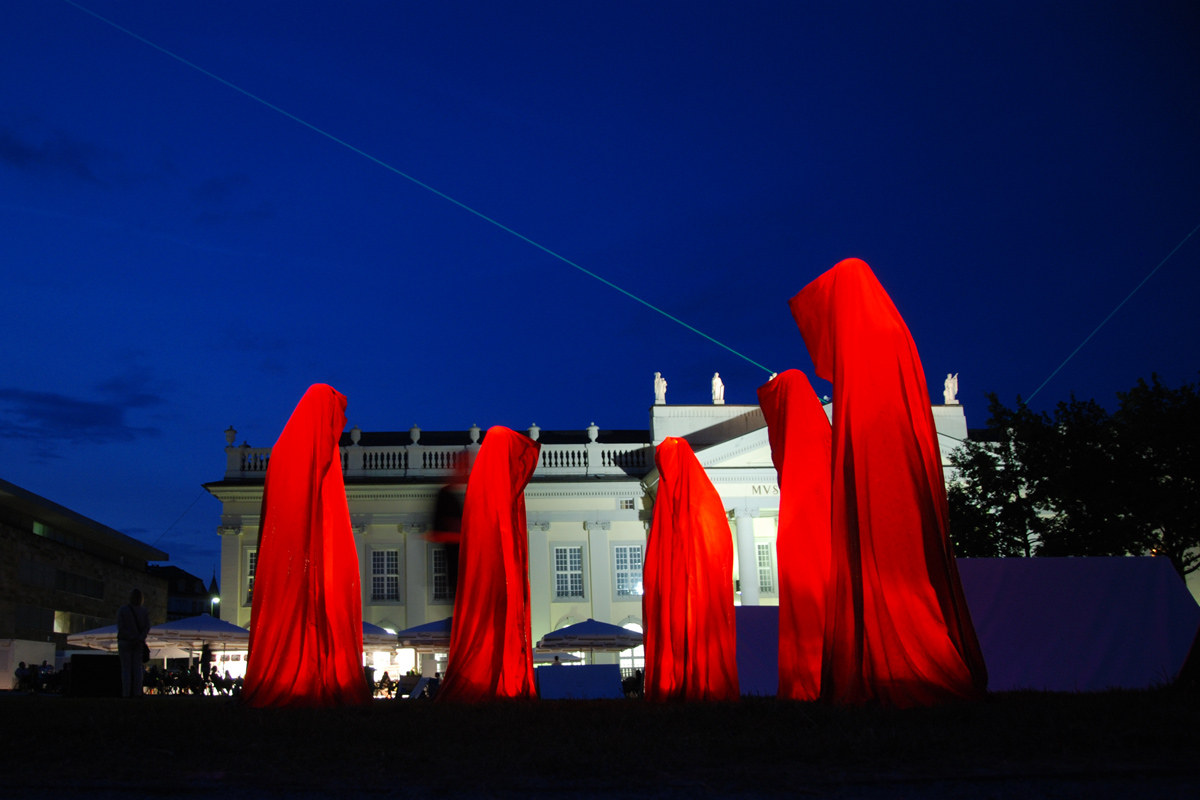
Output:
x,y
897,626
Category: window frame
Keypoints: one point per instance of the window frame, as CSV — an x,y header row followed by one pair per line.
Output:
x,y
773,566
431,577
626,598
248,576
583,595
397,574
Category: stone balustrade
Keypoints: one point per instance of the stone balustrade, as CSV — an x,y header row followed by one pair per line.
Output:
x,y
420,461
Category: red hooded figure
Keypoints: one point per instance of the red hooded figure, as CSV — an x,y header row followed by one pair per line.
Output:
x,y
691,634
306,623
800,441
491,647
897,625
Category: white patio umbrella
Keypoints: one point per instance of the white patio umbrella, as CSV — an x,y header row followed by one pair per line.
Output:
x,y
378,640
195,632
432,637
591,635
167,652
548,656
99,638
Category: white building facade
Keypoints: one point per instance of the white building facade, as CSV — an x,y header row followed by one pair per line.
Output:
x,y
589,507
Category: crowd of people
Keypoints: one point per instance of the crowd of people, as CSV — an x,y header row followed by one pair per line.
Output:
x,y
192,680
42,677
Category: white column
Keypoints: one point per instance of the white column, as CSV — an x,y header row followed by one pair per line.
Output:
x,y
600,583
364,567
231,576
747,555
539,579
416,584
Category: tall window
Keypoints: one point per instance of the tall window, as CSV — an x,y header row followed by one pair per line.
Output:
x,y
385,575
766,575
568,572
628,560
251,565
440,568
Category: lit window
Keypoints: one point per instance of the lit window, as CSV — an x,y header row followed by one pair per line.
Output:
x,y
385,575
766,574
251,565
441,575
568,572
629,570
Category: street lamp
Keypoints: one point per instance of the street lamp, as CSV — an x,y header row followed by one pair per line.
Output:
x,y
212,606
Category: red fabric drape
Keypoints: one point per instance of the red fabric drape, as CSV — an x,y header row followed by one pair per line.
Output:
x,y
690,638
800,447
491,647
897,625
306,623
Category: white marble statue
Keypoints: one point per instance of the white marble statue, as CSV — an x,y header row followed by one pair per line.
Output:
x,y
718,388
660,389
951,389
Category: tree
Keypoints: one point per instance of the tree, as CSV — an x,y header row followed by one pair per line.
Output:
x,y
991,511
1084,482
1161,432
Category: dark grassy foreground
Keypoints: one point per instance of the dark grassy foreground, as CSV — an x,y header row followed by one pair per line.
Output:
x,y
758,746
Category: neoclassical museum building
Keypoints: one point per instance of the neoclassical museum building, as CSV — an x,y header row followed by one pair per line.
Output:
x,y
589,508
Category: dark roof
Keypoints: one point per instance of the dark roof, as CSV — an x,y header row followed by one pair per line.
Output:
x,y
462,438
191,585
63,518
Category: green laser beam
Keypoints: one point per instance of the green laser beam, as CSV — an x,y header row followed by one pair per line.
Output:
x,y
423,185
1114,311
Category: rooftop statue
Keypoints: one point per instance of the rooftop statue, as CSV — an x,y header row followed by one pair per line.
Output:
x,y
660,389
951,390
718,390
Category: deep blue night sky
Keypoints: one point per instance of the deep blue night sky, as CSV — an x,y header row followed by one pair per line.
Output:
x,y
177,258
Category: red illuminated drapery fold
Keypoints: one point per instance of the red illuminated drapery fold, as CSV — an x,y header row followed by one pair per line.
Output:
x,y
306,623
800,447
897,625
691,638
491,648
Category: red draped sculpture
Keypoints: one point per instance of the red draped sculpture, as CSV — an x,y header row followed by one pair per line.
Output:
x,y
491,647
897,625
691,635
800,447
306,623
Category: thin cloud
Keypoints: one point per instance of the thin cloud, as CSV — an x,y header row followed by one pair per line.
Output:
x,y
54,154
220,190
52,417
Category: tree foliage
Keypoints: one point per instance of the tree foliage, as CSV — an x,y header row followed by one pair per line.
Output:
x,y
1083,481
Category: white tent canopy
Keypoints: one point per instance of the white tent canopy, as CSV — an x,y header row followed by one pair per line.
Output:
x,y
195,632
104,638
188,636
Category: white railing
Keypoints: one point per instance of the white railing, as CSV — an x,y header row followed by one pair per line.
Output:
x,y
413,461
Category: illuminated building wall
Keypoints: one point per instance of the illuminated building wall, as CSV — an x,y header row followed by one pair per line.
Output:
x,y
589,507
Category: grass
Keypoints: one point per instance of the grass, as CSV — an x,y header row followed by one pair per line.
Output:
x,y
757,745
